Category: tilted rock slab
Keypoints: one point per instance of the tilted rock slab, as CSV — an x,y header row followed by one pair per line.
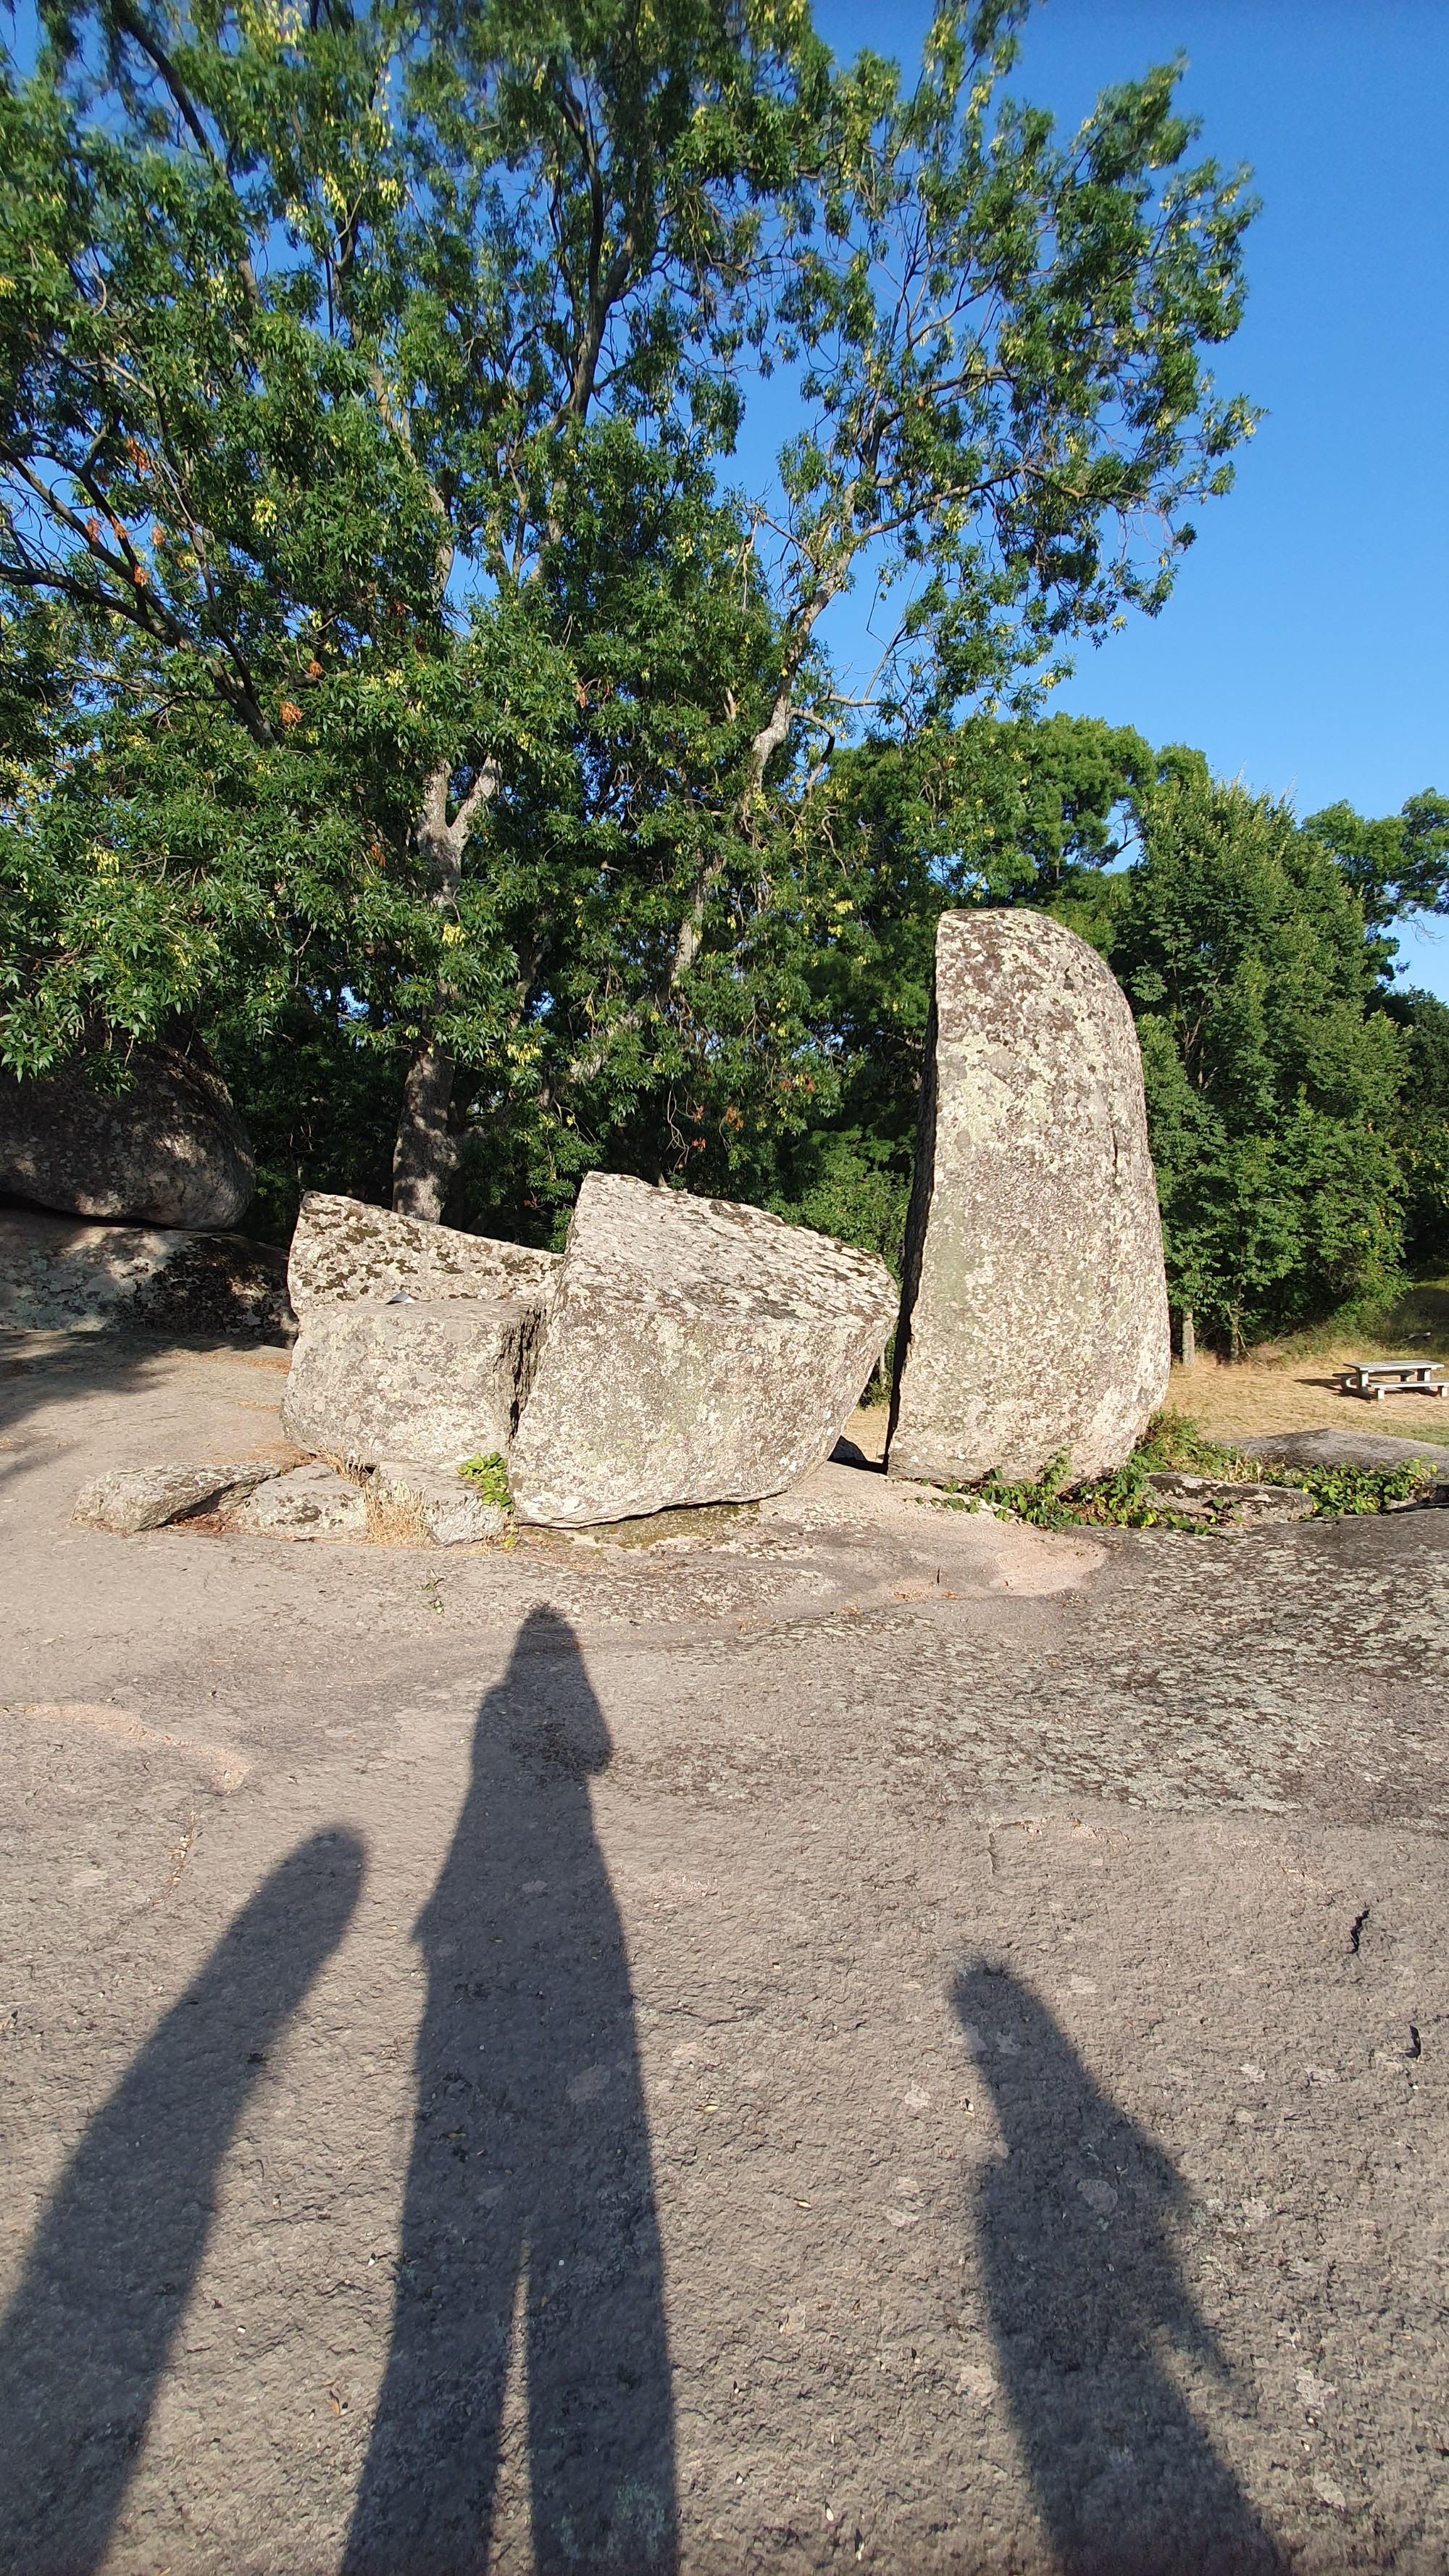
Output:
x,y
169,1150
695,1352
129,1500
343,1250
435,1383
1034,1312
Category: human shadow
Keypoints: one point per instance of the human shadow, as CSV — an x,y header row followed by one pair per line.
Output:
x,y
91,2326
529,2219
1085,2289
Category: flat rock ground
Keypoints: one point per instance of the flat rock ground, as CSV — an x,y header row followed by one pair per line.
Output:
x,y
856,2035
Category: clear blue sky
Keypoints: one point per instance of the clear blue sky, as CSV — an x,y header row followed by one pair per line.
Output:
x,y
1305,647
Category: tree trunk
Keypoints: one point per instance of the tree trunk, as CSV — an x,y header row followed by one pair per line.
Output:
x,y
424,1154
1189,1338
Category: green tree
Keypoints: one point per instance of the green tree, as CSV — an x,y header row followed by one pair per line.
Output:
x,y
1272,1083
395,675
1421,1128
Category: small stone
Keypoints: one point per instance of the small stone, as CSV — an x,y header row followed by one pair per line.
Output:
x,y
435,1383
696,1352
431,1505
145,1498
344,1251
308,1502
1034,1310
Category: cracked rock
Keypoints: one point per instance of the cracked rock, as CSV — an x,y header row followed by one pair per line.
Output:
x,y
145,1498
1034,1311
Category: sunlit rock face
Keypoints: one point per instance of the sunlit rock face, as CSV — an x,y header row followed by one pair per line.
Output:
x,y
1034,1314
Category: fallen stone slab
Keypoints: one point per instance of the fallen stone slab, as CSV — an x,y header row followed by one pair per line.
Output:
x,y
168,1150
429,1505
696,1352
1034,1310
435,1383
1247,1506
308,1502
344,1251
144,1498
1347,1449
60,1276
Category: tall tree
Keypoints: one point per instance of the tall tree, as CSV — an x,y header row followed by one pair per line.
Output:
x,y
1272,1084
390,654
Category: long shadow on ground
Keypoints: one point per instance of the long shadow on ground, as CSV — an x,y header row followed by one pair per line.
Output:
x,y
1085,2288
92,2324
529,2218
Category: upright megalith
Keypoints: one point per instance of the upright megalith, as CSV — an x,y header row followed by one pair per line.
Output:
x,y
695,1352
1034,1313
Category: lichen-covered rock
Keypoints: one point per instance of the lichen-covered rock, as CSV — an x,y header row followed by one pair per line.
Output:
x,y
145,1498
344,1251
57,1275
308,1502
1220,1502
695,1353
433,1383
427,1503
168,1150
1034,1313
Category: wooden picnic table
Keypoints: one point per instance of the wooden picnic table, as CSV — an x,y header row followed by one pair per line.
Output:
x,y
1372,1378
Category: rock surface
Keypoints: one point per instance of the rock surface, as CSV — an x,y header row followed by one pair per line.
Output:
x,y
60,1276
433,1383
1034,1314
696,1352
146,1498
1248,1506
307,1502
344,1251
1348,1449
169,1150
429,1504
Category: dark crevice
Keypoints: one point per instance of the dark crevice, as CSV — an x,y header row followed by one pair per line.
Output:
x,y
1356,1935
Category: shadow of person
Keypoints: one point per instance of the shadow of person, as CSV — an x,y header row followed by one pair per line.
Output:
x,y
89,2331
1085,2289
530,2192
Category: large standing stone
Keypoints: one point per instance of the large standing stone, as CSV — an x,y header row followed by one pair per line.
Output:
x,y
1034,1314
58,1275
343,1250
695,1353
432,1383
168,1150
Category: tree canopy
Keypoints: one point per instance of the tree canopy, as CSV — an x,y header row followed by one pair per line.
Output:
x,y
392,674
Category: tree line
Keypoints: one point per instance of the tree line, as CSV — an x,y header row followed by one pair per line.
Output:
x,y
399,694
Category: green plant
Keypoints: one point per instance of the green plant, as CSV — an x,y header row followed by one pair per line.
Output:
x,y
1172,1443
488,1478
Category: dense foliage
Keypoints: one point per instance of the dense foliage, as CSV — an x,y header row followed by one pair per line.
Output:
x,y
392,687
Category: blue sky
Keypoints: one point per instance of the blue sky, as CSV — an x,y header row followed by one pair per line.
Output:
x,y
1305,646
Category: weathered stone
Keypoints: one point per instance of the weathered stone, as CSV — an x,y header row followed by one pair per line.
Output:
x,y
308,1502
1219,1501
168,1150
1034,1313
1347,1449
433,1383
60,1276
695,1353
145,1498
344,1251
432,1505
